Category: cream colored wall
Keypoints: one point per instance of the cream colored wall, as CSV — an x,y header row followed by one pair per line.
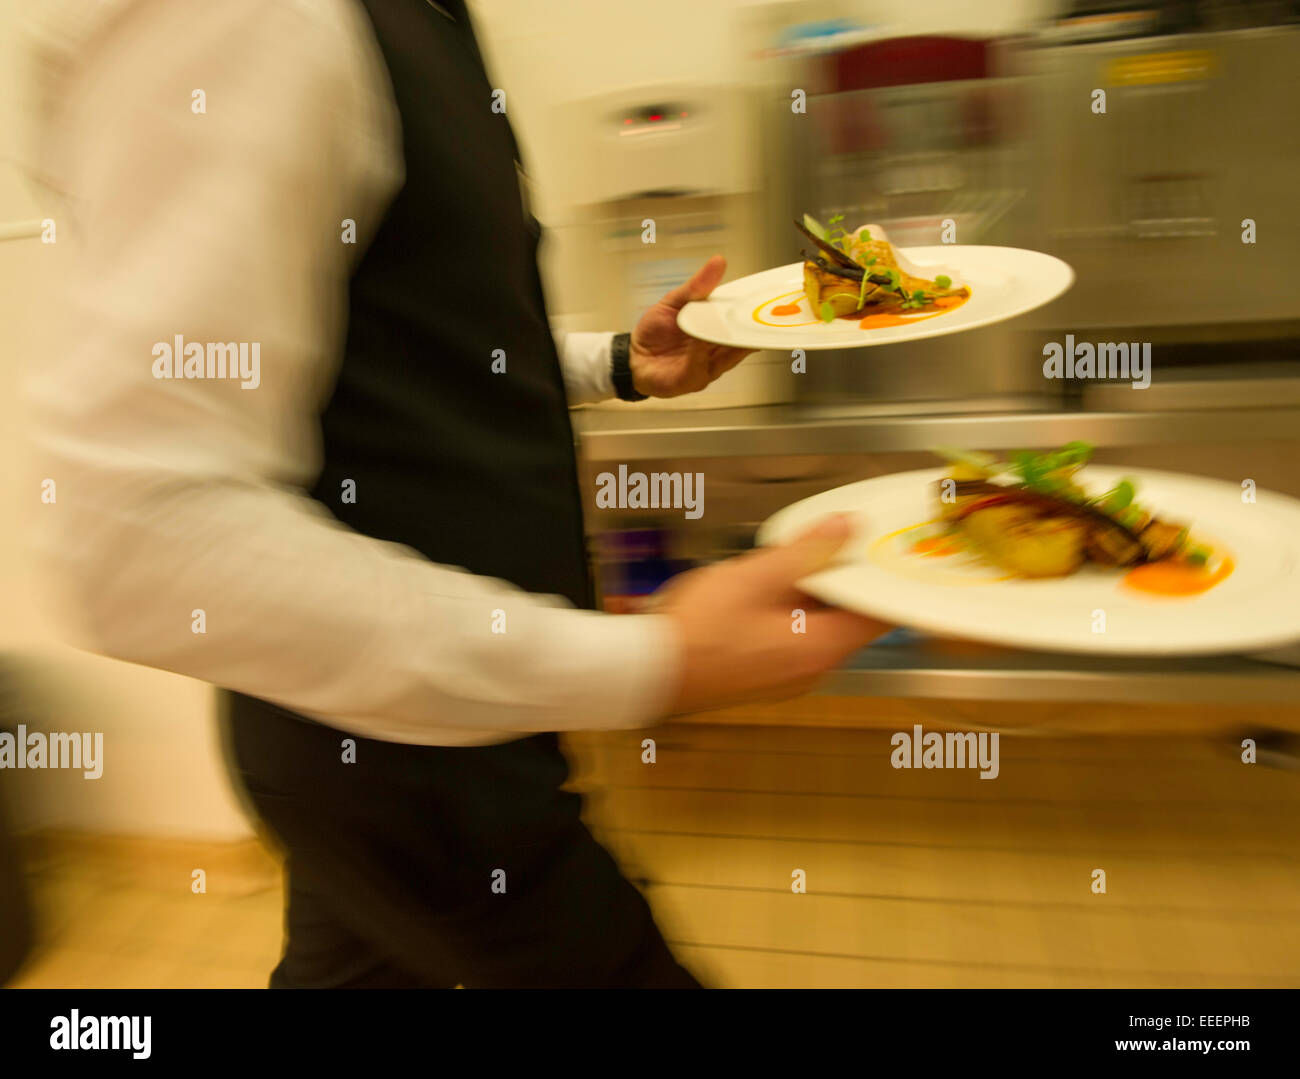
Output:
x,y
162,771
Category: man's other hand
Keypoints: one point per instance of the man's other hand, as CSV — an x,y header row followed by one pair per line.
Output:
x,y
741,639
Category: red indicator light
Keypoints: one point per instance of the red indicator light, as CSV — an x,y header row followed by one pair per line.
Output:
x,y
656,116
683,114
628,120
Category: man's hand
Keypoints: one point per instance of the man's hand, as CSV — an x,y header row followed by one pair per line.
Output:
x,y
667,362
736,625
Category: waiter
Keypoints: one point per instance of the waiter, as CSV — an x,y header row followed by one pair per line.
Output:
x,y
373,540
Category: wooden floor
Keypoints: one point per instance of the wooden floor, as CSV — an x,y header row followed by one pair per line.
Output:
x,y
919,878
914,877
120,913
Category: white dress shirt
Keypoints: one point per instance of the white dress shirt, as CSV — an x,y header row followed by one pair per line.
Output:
x,y
182,536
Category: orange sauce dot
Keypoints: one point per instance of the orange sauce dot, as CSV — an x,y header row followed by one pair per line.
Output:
x,y
786,309
937,546
1176,578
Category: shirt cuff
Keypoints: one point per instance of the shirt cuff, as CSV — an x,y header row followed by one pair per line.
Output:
x,y
586,360
627,668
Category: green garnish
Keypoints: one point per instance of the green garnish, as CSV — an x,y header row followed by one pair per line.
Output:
x,y
976,459
1198,556
862,291
1075,453
1119,497
893,278
1129,516
1051,472
837,217
943,281
827,311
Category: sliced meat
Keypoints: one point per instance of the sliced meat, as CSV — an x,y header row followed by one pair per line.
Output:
x,y
1161,539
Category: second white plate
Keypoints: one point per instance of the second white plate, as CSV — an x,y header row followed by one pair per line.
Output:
x,y
1255,608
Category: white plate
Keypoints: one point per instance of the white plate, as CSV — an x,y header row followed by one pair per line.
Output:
x,y
1004,282
1256,607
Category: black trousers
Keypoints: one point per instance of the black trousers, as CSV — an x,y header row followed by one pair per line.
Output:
x,y
433,866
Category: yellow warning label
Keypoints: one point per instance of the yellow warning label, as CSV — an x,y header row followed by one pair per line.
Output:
x,y
1160,67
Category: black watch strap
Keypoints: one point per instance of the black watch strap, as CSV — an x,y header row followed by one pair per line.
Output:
x,y
621,368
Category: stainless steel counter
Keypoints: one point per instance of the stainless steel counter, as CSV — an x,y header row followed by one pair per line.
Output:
x,y
789,430
917,670
911,666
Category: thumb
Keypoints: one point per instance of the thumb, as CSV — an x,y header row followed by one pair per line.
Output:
x,y
704,281
810,551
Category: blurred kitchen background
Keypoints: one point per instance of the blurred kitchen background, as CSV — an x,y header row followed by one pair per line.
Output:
x,y
916,115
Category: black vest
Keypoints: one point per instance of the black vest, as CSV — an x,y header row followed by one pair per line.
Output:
x,y
470,468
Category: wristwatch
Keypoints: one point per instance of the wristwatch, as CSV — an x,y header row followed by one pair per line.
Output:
x,y
621,368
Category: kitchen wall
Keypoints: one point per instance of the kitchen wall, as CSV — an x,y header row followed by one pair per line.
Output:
x,y
542,54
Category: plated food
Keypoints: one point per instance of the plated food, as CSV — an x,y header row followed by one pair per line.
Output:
x,y
1180,565
1040,521
856,289
860,274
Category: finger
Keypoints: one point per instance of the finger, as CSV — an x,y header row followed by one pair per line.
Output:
x,y
704,281
719,365
780,567
669,589
843,631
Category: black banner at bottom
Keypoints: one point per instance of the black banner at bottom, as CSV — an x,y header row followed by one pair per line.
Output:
x,y
1237,1029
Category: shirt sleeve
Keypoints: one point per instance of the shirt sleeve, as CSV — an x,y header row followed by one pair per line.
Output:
x,y
181,536
587,363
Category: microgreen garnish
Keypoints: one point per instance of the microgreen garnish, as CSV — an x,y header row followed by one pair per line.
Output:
x,y
1117,498
943,281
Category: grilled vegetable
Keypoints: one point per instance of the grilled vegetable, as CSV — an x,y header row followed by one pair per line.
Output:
x,y
857,271
1162,540
835,254
1024,542
845,294
1101,538
1049,525
1115,547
